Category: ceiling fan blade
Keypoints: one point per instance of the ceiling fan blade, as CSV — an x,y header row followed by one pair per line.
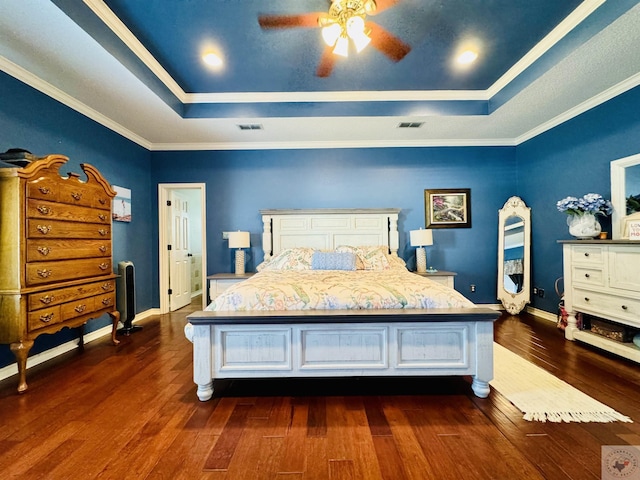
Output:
x,y
289,21
327,61
382,5
385,42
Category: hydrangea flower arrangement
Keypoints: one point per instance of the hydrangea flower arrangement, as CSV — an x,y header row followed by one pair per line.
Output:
x,y
590,203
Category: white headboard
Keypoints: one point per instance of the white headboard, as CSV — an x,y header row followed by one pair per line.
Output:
x,y
326,229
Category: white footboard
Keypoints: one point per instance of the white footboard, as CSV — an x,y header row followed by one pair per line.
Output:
x,y
237,350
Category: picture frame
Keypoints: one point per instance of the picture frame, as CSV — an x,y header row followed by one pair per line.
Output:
x,y
121,210
447,208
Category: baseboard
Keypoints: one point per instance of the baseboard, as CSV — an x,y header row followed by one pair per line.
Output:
x,y
536,312
42,357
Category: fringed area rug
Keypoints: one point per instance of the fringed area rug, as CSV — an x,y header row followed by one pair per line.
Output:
x,y
543,397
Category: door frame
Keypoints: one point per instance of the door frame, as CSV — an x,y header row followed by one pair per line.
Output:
x,y
164,239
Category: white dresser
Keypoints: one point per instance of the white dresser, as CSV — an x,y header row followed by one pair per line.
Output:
x,y
602,278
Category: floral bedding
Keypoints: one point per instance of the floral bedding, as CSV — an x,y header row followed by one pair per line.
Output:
x,y
337,289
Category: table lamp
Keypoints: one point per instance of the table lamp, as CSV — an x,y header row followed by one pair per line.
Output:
x,y
239,240
420,238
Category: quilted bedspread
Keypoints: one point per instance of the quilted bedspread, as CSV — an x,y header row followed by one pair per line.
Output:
x,y
333,290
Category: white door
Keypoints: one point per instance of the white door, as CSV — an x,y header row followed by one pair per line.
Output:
x,y
179,257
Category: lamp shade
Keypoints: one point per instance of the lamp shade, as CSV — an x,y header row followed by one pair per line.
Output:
x,y
239,239
420,238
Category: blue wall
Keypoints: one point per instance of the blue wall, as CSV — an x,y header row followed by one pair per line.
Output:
x,y
240,183
33,121
572,159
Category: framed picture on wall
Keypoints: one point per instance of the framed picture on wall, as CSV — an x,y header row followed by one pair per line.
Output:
x,y
121,205
447,208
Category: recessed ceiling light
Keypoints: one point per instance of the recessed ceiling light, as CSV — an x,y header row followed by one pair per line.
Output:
x,y
467,57
212,59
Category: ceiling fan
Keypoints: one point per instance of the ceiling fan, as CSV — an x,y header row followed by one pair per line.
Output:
x,y
343,24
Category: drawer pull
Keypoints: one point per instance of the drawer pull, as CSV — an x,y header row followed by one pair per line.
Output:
x,y
46,318
586,299
43,209
103,232
80,308
76,196
624,307
107,286
102,201
43,251
106,301
586,254
47,299
102,216
102,248
587,275
44,190
103,266
44,229
44,273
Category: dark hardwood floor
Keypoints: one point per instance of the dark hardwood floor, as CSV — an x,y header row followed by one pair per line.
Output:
x,y
131,412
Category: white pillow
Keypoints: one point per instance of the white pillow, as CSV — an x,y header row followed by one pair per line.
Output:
x,y
298,258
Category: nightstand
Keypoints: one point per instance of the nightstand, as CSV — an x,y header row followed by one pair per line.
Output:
x,y
441,276
219,282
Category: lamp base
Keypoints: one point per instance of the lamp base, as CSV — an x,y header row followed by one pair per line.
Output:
x,y
421,259
239,262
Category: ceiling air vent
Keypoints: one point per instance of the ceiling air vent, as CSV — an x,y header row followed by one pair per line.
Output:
x,y
250,126
410,124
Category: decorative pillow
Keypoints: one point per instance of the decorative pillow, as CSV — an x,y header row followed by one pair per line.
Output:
x,y
298,258
333,261
369,257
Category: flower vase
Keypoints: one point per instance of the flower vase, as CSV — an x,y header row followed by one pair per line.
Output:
x,y
585,226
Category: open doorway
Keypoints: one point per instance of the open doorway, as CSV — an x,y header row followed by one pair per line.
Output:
x,y
182,244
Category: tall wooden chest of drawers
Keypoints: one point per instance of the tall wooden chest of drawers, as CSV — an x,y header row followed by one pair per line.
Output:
x,y
55,253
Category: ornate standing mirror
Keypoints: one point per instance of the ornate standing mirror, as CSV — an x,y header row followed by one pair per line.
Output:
x,y
514,259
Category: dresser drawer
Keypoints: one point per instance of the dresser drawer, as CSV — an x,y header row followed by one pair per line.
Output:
x,y
44,188
44,318
59,211
60,249
592,255
105,301
58,296
77,308
41,273
59,229
608,306
588,276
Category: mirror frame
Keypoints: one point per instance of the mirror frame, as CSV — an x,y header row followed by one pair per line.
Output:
x,y
618,193
514,303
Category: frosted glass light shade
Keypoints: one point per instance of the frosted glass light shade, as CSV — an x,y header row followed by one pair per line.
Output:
x,y
342,46
420,238
239,239
330,34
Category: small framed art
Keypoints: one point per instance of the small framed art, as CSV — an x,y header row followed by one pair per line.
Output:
x,y
447,208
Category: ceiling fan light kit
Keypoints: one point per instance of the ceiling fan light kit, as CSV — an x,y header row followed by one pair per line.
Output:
x,y
343,26
344,22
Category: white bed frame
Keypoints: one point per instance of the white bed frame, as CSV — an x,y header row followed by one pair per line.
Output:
x,y
339,343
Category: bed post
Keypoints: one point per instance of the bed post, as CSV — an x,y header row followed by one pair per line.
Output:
x,y
484,359
203,361
267,241
394,241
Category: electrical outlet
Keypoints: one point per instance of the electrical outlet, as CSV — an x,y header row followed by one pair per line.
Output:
x,y
225,235
472,288
535,291
541,292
